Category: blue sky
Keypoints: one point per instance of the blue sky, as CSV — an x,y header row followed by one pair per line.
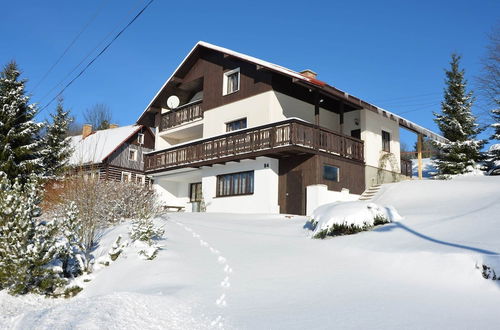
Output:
x,y
391,53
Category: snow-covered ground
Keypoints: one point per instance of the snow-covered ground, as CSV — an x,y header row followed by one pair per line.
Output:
x,y
263,271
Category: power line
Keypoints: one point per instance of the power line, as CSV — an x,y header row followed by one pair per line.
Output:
x,y
69,46
83,60
98,55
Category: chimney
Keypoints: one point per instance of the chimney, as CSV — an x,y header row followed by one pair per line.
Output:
x,y
309,73
113,125
86,130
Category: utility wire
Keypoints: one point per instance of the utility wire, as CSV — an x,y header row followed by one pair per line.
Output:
x,y
97,12
83,59
98,55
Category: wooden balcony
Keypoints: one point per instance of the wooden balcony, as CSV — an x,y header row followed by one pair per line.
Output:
x,y
273,140
183,114
406,167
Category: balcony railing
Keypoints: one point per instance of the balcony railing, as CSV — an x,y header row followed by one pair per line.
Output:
x,y
273,138
406,167
181,115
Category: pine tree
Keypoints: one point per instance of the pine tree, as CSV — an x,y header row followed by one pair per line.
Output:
x,y
28,249
57,145
457,124
20,145
494,151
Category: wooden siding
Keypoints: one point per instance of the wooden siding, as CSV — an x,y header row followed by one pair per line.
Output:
x,y
114,173
268,139
120,157
351,176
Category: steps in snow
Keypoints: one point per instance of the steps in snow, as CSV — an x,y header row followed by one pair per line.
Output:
x,y
369,193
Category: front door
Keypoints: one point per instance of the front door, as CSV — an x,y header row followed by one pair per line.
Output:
x,y
294,193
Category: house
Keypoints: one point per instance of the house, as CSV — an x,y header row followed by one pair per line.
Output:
x,y
238,134
112,154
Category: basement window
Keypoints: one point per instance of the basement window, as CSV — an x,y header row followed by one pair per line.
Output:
x,y
234,184
140,179
231,82
331,173
236,125
386,141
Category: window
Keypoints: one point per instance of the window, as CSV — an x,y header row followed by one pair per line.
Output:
x,y
140,138
231,81
241,183
92,175
195,194
356,133
235,125
386,141
132,154
140,179
126,177
331,173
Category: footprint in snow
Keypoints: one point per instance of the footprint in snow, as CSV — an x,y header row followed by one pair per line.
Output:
x,y
217,322
221,260
203,243
225,283
195,235
228,269
221,301
214,251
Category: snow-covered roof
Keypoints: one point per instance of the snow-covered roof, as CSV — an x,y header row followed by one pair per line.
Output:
x,y
308,80
100,144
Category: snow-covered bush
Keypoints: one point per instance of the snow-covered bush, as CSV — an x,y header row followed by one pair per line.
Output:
x,y
346,218
99,204
145,233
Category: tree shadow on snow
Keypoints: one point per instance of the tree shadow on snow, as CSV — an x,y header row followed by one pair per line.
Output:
x,y
397,224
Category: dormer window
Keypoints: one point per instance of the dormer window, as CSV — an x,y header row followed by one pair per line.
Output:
x,y
140,138
231,82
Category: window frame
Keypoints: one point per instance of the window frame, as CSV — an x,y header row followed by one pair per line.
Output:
x,y
386,143
126,174
140,138
191,185
142,177
225,81
226,188
236,121
325,176
135,152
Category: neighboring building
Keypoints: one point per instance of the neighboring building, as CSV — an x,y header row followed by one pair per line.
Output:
x,y
245,135
113,154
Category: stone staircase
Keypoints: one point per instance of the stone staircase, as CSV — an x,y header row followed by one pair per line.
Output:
x,y
369,193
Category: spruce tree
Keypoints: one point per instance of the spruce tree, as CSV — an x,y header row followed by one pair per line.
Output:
x,y
20,145
57,145
457,124
28,249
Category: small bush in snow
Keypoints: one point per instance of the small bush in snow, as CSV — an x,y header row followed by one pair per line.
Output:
x,y
380,219
145,230
489,273
347,218
117,248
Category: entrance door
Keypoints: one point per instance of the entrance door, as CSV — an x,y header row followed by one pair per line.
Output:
x,y
294,193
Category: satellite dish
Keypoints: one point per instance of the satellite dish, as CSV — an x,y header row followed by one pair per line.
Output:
x,y
173,102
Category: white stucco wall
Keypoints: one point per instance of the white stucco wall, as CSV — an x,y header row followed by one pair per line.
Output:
x,y
174,188
265,196
372,125
263,109
319,194
256,109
